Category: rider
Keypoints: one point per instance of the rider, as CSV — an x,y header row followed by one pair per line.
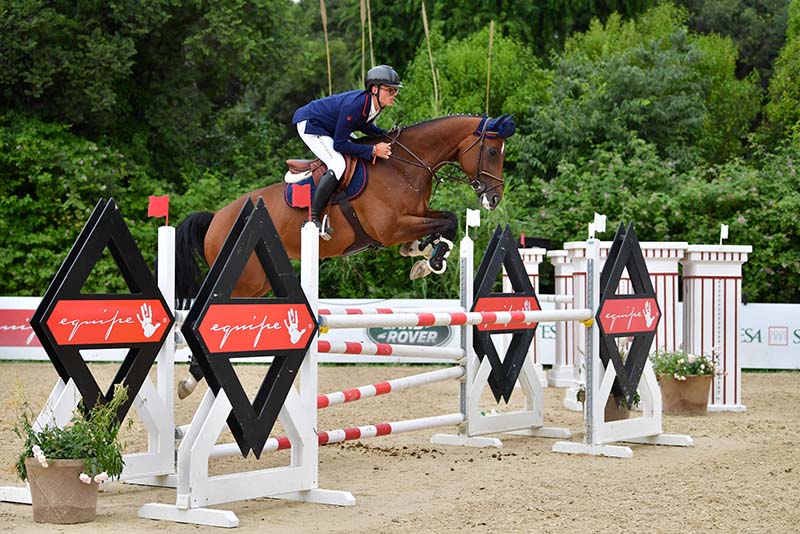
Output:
x,y
326,125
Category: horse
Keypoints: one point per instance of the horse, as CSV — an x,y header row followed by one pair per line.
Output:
x,y
393,208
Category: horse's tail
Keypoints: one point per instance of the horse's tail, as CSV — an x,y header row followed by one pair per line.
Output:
x,y
190,238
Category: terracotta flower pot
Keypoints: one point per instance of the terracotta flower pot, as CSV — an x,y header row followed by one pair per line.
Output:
x,y
685,397
58,495
614,411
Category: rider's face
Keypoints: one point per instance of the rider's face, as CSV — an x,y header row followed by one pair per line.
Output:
x,y
386,95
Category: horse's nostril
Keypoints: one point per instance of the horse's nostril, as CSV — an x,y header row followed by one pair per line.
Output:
x,y
495,200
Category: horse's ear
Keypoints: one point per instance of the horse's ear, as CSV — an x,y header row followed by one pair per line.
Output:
x,y
506,126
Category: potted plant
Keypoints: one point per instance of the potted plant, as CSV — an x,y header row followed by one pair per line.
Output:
x,y
65,466
685,381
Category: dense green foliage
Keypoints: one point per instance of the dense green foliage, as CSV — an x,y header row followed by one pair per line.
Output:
x,y
758,27
678,117
783,111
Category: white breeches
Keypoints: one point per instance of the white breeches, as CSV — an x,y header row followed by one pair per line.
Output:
x,y
322,147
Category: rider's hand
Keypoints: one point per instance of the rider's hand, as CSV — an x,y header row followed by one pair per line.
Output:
x,y
383,150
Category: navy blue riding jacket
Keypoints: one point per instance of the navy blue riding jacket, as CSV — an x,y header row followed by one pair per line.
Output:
x,y
338,116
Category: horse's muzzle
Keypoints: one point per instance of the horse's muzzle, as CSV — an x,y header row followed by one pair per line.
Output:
x,y
490,201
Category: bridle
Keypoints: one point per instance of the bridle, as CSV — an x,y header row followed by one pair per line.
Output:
x,y
477,185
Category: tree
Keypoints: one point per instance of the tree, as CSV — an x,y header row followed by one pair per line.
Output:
x,y
757,27
783,107
647,79
153,75
52,179
461,69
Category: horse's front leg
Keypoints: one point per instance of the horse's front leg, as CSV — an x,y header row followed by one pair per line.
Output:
x,y
433,239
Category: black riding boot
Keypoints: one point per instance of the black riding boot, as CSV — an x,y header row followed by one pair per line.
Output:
x,y
327,185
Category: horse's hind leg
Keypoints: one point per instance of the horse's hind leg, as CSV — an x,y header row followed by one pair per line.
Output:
x,y
188,384
425,246
440,227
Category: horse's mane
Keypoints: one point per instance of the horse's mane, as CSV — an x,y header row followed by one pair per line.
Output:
x,y
372,139
435,119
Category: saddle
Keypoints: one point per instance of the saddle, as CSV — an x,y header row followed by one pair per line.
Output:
x,y
302,172
301,169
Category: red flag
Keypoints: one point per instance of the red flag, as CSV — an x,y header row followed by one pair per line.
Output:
x,y
301,196
159,207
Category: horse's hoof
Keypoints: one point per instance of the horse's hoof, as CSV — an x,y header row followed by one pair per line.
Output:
x,y
411,249
438,267
421,269
186,387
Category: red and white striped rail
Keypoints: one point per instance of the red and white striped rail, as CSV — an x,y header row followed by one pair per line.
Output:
x,y
382,388
351,433
452,318
386,349
366,310
372,390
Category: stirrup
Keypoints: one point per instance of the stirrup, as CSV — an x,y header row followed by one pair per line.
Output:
x,y
325,230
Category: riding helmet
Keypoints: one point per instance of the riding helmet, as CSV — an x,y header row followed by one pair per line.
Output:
x,y
383,75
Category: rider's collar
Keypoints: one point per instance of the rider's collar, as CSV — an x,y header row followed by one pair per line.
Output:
x,y
373,111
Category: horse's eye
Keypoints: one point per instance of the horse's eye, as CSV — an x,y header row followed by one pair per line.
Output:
x,y
493,152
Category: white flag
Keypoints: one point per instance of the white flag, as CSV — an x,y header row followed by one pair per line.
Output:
x,y
599,222
473,218
723,232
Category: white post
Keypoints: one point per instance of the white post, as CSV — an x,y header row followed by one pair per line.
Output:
x,y
305,449
166,357
307,454
577,254
595,405
472,365
712,296
562,374
155,404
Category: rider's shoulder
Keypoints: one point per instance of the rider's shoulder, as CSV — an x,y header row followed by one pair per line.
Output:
x,y
356,95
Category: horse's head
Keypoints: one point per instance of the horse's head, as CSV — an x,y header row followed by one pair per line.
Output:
x,y
481,156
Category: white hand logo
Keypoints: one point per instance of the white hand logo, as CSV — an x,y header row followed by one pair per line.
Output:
x,y
648,318
146,320
291,326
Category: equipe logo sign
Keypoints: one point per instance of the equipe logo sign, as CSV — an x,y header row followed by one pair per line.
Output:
x,y
107,322
15,329
229,328
629,316
506,304
427,336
